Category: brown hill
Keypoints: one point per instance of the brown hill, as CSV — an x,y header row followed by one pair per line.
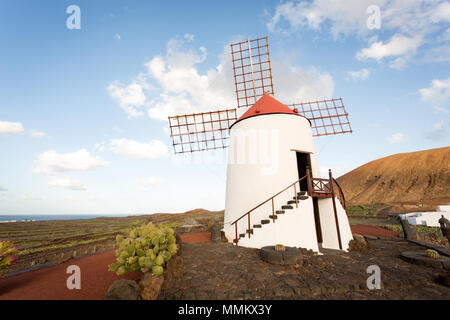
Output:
x,y
403,177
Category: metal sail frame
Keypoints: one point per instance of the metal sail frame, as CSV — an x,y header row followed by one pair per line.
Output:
x,y
252,78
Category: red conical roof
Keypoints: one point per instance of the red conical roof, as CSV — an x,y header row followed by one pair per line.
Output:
x,y
266,105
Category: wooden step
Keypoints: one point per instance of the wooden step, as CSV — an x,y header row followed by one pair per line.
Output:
x,y
265,221
256,226
273,217
292,201
279,212
301,197
247,231
287,207
242,235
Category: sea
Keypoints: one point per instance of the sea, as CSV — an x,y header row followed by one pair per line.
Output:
x,y
36,217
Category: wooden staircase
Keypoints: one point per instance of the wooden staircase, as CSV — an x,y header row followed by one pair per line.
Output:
x,y
302,195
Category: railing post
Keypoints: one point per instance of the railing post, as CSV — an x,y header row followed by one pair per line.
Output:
x,y
235,228
273,212
249,231
295,195
334,208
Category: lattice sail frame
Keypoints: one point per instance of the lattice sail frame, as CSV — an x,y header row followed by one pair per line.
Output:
x,y
201,131
253,78
252,70
327,116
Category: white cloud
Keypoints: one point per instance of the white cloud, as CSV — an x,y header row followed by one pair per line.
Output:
x,y
7,128
397,138
130,97
344,17
398,45
2,188
150,150
117,36
295,84
438,93
145,183
184,89
362,74
11,128
409,24
81,160
66,182
36,134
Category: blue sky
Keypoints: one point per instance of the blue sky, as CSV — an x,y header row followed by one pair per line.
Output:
x,y
82,112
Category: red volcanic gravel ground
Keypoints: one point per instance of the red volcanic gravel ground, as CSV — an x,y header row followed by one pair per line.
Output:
x,y
196,237
50,283
373,231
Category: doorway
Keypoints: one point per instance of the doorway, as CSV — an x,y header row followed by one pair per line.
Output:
x,y
303,160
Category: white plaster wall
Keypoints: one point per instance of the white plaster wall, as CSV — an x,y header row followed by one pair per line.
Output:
x,y
328,224
249,184
294,228
430,219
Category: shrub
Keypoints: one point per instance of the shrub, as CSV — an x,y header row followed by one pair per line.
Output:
x,y
280,247
147,248
8,255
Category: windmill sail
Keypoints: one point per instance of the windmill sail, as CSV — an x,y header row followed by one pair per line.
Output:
x,y
252,71
201,131
327,116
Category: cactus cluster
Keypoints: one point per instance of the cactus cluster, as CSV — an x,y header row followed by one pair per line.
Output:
x,y
8,255
280,247
432,254
147,248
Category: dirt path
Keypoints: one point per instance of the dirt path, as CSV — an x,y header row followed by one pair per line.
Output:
x,y
373,231
50,283
196,237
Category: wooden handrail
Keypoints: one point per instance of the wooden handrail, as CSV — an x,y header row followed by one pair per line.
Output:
x,y
341,194
310,190
235,221
273,209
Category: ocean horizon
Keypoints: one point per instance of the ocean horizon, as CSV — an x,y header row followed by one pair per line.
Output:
x,y
45,217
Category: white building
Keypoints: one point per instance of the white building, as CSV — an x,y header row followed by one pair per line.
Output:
x,y
270,149
429,219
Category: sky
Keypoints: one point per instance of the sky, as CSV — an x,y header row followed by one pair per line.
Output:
x,y
84,98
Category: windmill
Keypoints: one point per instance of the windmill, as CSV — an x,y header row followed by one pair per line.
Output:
x,y
316,206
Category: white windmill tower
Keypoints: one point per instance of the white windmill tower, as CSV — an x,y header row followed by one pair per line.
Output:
x,y
273,195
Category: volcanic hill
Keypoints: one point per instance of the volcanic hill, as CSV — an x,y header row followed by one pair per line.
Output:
x,y
421,176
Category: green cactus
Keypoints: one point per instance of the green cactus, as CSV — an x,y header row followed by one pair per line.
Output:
x,y
172,248
147,247
159,260
157,270
432,254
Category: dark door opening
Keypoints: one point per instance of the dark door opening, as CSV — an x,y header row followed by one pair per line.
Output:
x,y
303,160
